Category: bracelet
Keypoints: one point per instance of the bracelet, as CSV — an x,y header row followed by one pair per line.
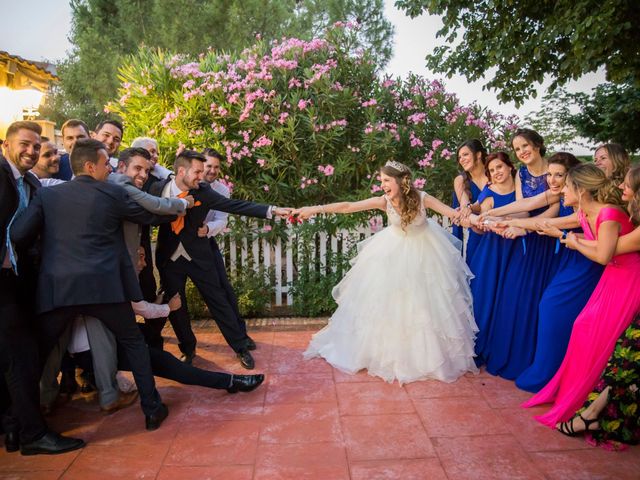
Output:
x,y
564,234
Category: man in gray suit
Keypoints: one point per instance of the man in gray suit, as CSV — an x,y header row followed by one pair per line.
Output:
x,y
85,267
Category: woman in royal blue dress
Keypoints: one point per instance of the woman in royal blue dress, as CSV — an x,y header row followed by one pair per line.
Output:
x,y
531,267
492,254
569,290
467,187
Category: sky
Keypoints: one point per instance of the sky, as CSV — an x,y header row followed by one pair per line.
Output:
x,y
414,38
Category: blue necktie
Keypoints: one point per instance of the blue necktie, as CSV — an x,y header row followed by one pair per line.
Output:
x,y
22,206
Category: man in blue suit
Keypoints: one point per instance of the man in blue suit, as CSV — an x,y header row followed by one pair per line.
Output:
x,y
85,268
24,426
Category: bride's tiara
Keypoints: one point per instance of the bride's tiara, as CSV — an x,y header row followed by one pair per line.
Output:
x,y
401,167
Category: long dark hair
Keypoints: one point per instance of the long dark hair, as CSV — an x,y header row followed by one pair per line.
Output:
x,y
532,137
476,147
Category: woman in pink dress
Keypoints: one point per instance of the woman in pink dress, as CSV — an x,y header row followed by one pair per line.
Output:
x,y
613,304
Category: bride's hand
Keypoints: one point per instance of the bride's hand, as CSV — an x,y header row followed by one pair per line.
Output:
x,y
304,213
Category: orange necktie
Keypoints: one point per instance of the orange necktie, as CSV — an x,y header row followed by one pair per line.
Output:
x,y
178,224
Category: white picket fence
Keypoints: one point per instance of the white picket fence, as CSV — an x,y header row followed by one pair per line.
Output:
x,y
253,252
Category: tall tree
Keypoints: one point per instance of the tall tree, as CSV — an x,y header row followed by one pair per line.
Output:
x,y
519,42
105,31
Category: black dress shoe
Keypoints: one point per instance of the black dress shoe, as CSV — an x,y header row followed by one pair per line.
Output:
x,y
245,383
11,442
154,421
251,345
246,360
52,443
188,357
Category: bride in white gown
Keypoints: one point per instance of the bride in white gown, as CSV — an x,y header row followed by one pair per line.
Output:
x,y
405,310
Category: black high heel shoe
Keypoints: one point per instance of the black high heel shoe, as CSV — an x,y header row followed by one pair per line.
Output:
x,y
566,428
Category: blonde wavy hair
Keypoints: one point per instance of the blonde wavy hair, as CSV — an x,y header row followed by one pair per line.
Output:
x,y
409,196
619,159
592,180
633,180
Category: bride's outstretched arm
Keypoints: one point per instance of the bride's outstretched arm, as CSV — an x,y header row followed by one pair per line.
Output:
x,y
437,206
341,207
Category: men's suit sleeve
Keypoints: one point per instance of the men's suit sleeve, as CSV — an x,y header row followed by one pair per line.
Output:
x,y
214,201
26,227
133,212
157,205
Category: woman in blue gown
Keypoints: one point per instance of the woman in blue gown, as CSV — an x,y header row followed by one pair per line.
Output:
x,y
568,291
531,267
467,187
492,254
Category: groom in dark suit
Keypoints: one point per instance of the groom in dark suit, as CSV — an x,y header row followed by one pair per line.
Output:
x,y
181,253
85,266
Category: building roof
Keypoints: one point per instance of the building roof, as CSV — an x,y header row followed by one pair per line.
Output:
x,y
19,73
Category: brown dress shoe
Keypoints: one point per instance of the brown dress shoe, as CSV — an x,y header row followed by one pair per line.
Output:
x,y
124,400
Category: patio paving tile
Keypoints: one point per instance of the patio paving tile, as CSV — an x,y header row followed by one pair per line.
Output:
x,y
311,421
378,437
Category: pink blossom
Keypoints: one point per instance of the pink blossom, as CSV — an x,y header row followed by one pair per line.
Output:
x,y
370,103
419,183
375,188
263,141
283,118
436,143
261,162
302,104
265,188
415,141
375,223
417,118
446,154
327,170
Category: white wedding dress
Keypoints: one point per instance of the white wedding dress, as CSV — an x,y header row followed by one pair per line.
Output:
x,y
405,310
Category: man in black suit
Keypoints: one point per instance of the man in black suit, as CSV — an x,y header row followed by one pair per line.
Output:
x,y
85,267
23,425
182,253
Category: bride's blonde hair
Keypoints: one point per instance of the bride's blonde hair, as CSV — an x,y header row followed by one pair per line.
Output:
x,y
409,196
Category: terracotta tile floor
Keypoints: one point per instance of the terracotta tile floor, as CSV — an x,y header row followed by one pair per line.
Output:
x,y
311,421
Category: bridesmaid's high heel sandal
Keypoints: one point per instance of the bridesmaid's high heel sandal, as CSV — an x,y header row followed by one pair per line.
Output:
x,y
566,428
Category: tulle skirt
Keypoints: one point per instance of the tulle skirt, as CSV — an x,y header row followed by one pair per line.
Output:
x,y
405,310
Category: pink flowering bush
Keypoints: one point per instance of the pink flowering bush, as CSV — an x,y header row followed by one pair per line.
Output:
x,y
302,122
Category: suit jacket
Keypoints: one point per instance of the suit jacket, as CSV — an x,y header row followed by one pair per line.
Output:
x,y
84,257
27,257
151,203
64,173
197,247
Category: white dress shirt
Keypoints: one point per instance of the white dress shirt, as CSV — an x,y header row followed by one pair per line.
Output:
x,y
171,190
215,220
